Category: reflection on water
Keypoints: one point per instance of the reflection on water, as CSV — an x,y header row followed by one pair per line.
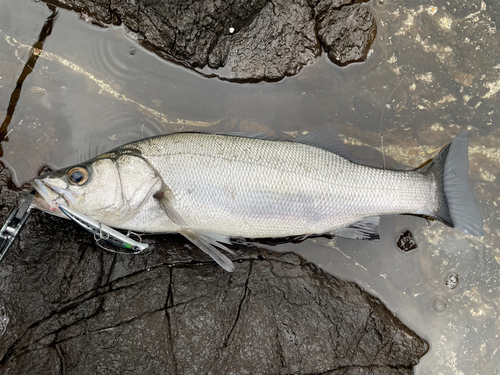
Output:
x,y
433,73
28,68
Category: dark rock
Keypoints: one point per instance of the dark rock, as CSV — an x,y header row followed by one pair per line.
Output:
x,y
241,40
406,241
277,43
346,31
74,308
184,30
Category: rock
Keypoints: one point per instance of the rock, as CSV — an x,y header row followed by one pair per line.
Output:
x,y
74,308
241,40
406,242
278,42
347,32
183,30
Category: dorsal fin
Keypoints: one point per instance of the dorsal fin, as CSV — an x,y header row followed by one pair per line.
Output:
x,y
325,138
264,136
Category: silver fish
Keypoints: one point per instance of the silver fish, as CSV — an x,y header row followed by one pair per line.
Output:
x,y
214,187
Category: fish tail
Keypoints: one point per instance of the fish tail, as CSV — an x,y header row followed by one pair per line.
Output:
x,y
457,207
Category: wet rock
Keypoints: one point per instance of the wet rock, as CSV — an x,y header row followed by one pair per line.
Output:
x,y
74,308
183,30
346,33
406,242
241,40
278,42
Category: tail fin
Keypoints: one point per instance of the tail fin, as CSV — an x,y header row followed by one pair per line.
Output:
x,y
457,208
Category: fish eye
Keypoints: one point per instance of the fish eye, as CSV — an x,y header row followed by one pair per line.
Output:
x,y
78,175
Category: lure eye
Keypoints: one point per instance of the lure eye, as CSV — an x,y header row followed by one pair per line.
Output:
x,y
78,175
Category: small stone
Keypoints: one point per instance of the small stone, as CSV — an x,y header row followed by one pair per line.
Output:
x,y
451,280
406,241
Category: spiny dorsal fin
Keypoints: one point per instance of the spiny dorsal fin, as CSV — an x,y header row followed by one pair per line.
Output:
x,y
325,138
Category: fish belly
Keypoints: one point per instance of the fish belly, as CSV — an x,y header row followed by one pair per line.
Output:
x,y
258,188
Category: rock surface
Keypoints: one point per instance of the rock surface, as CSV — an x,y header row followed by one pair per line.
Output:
x,y
346,33
74,308
406,242
241,40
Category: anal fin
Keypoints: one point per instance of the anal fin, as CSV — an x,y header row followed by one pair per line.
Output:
x,y
365,229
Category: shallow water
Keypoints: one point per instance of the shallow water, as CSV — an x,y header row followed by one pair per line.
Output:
x,y
433,73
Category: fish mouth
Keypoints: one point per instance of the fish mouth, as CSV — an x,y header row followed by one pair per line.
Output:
x,y
49,198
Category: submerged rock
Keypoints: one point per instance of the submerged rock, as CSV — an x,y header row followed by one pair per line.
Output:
x,y
241,40
406,242
74,308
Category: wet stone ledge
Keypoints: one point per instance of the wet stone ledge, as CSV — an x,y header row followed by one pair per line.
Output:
x,y
241,40
73,308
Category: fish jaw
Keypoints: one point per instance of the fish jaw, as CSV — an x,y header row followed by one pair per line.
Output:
x,y
49,198
40,204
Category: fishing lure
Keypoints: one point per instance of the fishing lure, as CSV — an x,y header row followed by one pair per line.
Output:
x,y
102,231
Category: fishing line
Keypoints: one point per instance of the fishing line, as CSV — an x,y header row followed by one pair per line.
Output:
x,y
138,235
115,251
383,111
420,10
101,237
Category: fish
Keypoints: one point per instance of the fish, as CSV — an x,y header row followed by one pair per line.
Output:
x,y
214,188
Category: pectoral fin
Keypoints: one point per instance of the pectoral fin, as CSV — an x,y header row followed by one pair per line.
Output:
x,y
166,199
209,243
365,229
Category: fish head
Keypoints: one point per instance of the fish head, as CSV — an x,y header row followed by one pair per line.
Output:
x,y
110,188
